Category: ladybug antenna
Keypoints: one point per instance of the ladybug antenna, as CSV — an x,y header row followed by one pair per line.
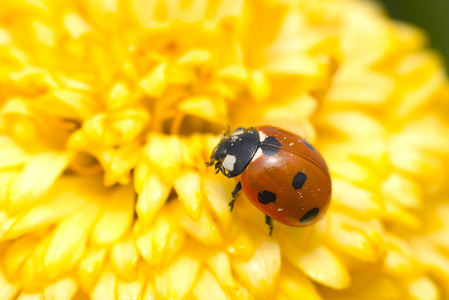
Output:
x,y
211,162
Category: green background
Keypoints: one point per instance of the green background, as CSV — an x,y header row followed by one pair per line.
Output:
x,y
430,15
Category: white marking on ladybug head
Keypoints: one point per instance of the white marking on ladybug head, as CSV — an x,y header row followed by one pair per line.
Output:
x,y
238,132
229,162
262,136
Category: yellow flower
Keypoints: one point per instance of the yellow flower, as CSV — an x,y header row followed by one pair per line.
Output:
x,y
110,109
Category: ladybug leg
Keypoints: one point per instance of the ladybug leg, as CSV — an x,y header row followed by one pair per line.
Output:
x,y
269,222
234,193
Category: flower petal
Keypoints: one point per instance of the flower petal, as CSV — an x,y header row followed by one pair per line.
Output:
x,y
188,187
61,289
207,287
214,110
7,290
260,273
124,258
321,265
178,278
90,266
151,198
71,234
29,186
292,282
220,264
105,287
116,218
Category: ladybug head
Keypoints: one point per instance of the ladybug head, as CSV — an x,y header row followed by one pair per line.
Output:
x,y
235,151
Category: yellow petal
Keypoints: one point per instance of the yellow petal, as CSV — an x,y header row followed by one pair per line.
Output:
x,y
5,222
154,82
34,273
119,96
214,110
7,290
67,104
218,199
188,187
321,265
17,106
363,240
220,264
72,84
164,153
44,33
90,267
10,154
117,216
414,100
415,161
429,133
298,64
152,197
142,172
61,290
69,240
207,287
362,202
161,241
178,278
130,290
401,190
6,178
17,253
150,292
424,288
259,85
237,72
292,282
63,204
195,56
76,25
29,186
260,273
399,216
127,124
434,261
124,257
105,287
204,229
119,163
400,259
26,296
358,85
349,170
5,37
355,124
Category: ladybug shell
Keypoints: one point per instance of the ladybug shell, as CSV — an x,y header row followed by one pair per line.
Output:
x,y
287,178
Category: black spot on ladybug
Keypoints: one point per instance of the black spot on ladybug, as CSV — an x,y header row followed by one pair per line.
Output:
x,y
271,141
270,146
299,180
266,197
308,145
310,215
269,151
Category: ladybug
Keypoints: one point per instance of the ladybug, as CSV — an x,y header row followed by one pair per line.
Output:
x,y
281,173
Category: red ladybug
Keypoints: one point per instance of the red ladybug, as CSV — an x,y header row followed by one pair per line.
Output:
x,y
281,173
